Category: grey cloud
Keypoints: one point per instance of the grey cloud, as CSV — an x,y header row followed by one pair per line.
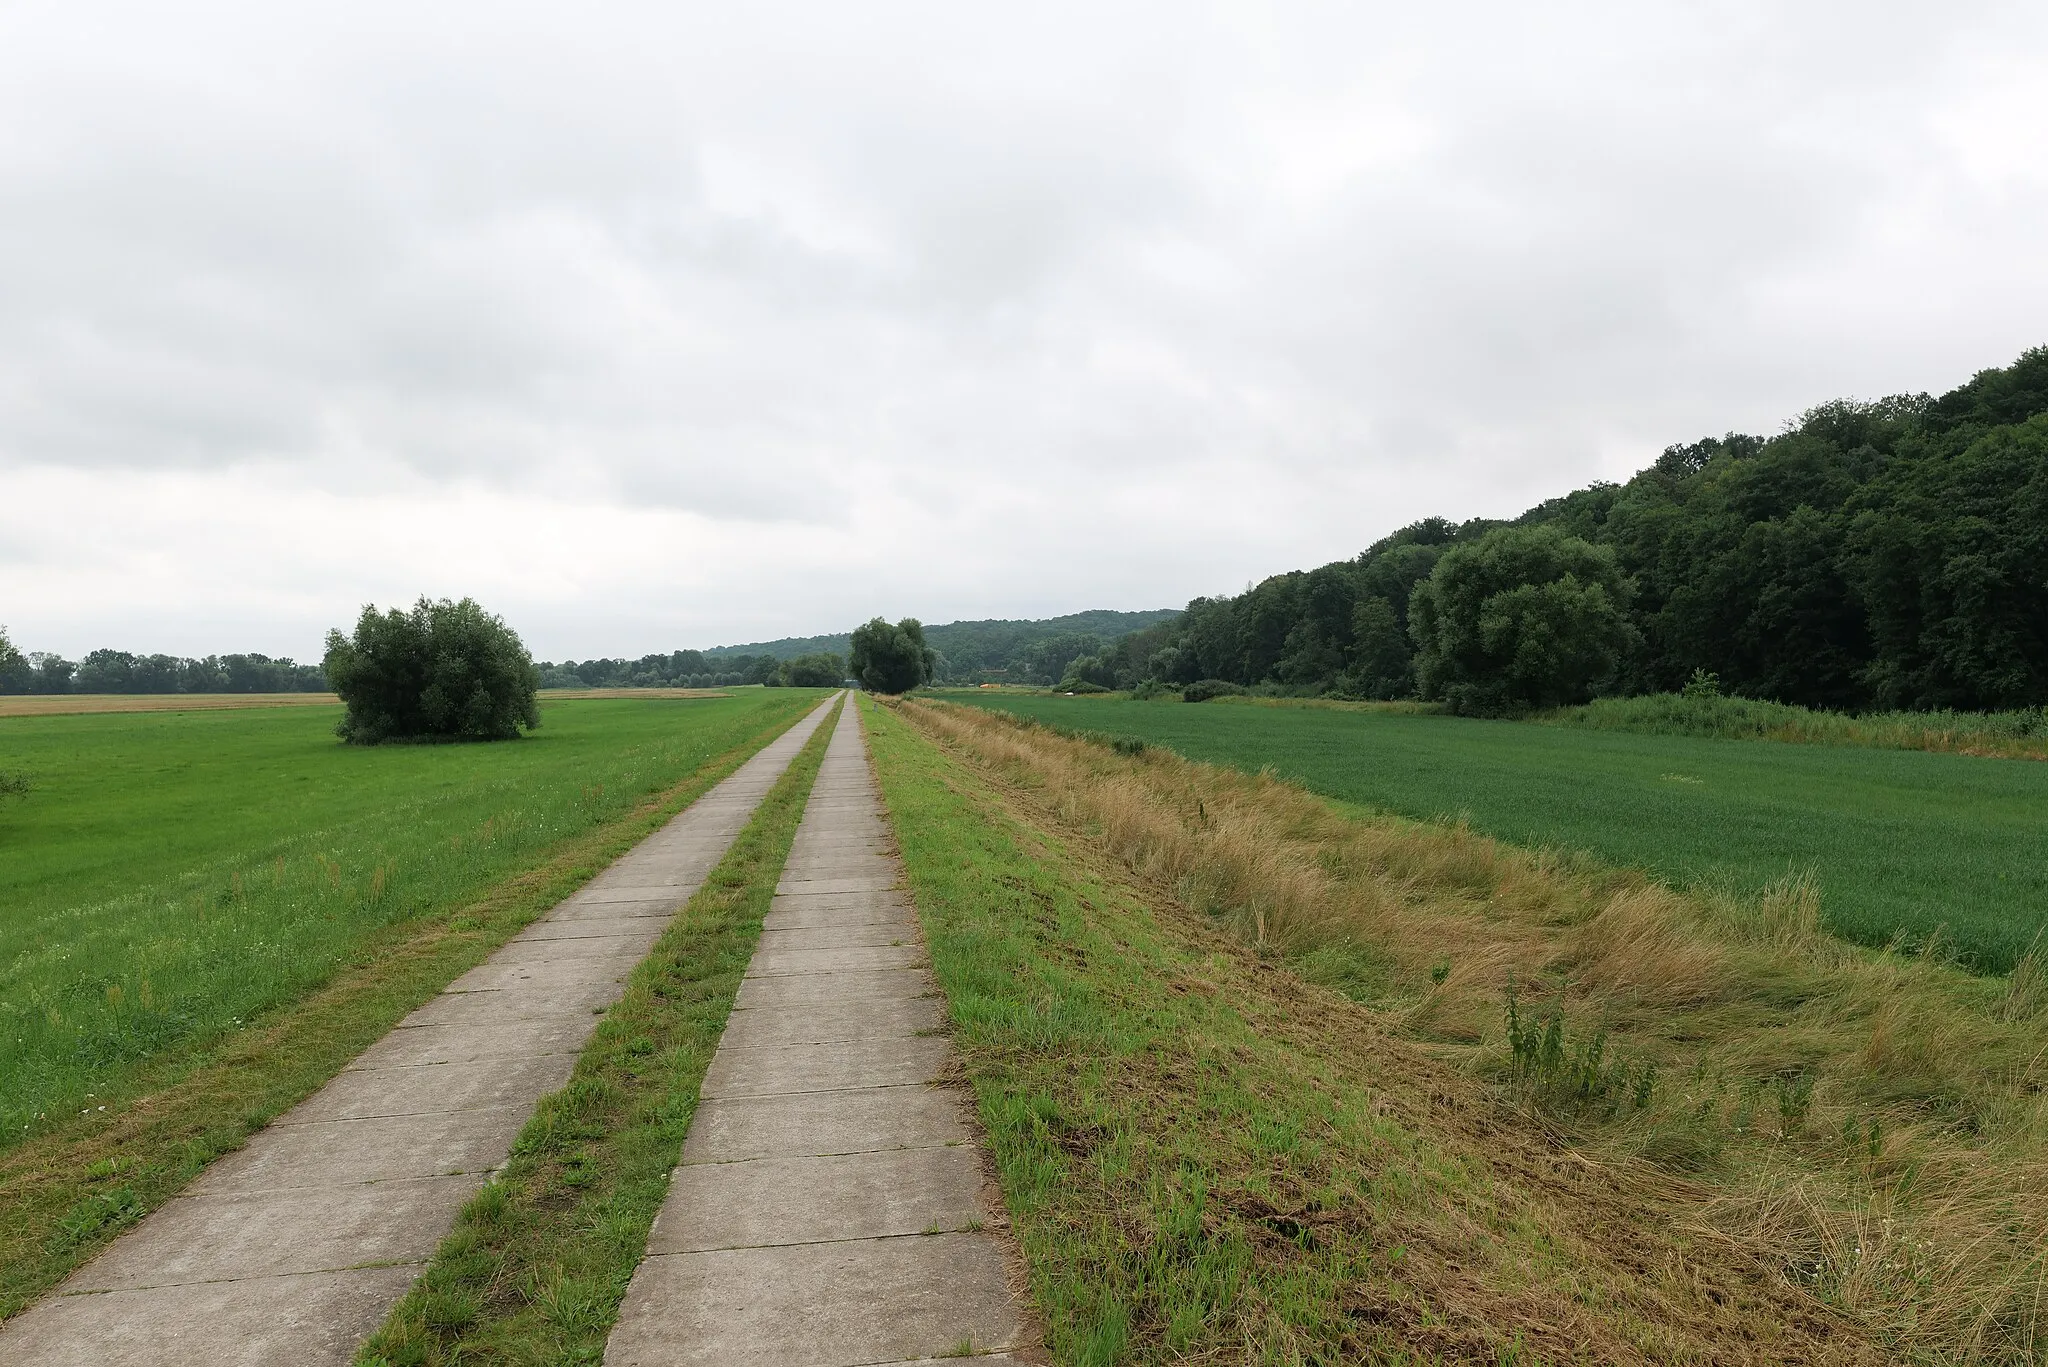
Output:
x,y
975,313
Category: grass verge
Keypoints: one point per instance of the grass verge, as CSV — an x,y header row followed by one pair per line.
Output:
x,y
539,1259
1207,1158
1866,1130
66,1191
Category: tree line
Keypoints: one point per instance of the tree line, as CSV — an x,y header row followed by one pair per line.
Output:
x,y
699,669
118,671
1882,555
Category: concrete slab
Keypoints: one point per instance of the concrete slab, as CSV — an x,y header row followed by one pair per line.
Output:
x,y
830,1022
607,896
728,1129
361,1093
309,1229
770,959
241,1323
631,945
329,1153
663,908
821,1305
791,989
837,1066
557,928
868,935
528,1003
876,882
471,1042
779,1201
840,900
568,973
789,912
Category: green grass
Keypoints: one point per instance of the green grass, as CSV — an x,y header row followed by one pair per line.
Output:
x,y
2021,734
174,876
1206,1160
537,1264
1899,842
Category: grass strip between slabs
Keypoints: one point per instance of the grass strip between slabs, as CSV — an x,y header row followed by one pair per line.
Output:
x,y
1206,1158
540,1258
65,1194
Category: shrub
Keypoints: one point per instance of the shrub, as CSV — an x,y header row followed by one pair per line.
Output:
x,y
443,671
1080,686
1201,690
13,785
892,659
1150,689
1572,1078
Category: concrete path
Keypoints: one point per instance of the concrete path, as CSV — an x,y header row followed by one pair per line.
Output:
x,y
293,1249
828,1208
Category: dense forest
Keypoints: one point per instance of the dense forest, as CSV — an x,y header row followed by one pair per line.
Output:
x,y
117,671
1891,554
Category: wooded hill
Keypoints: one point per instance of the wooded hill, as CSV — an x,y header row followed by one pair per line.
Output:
x,y
1891,554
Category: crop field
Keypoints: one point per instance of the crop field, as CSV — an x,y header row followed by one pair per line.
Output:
x,y
172,876
1898,841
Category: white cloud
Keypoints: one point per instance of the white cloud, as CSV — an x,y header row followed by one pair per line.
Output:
x,y
658,325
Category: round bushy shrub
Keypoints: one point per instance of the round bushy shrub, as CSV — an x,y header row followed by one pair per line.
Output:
x,y
443,671
1201,690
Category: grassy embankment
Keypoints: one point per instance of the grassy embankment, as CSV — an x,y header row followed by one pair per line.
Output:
x,y
1838,1148
538,1262
206,915
1897,842
1207,1158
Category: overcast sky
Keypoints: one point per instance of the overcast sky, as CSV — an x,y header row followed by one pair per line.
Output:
x,y
678,325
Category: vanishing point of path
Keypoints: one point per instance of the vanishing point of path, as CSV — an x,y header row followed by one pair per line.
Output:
x,y
828,1210
290,1251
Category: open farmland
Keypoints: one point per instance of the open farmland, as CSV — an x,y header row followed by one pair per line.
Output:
x,y
1898,841
172,876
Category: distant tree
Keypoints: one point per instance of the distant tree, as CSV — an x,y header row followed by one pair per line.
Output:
x,y
445,670
820,669
52,672
1522,617
891,659
17,675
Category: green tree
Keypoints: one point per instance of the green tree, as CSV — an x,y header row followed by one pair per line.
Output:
x,y
445,670
820,669
891,659
17,675
1522,617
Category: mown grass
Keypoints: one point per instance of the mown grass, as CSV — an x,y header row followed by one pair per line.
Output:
x,y
1870,1127
539,1260
82,1177
1898,843
172,877
1207,1158
2016,735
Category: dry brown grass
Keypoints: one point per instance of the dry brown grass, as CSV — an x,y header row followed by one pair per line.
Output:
x,y
54,704
1907,1188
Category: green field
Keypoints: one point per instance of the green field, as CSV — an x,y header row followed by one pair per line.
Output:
x,y
1897,840
173,875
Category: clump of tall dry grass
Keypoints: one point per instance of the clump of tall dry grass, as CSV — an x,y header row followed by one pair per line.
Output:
x,y
1873,1123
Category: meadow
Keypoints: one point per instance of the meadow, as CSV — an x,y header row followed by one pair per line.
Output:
x,y
173,876
1898,842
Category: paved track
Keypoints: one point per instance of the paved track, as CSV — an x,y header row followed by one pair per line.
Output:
x,y
290,1251
828,1209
